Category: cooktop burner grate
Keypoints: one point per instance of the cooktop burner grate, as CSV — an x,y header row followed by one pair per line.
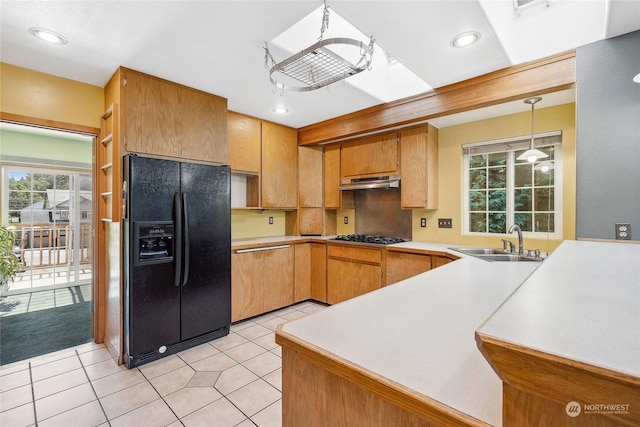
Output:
x,y
363,238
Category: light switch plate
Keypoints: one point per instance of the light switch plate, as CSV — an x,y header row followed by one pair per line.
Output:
x,y
270,220
346,220
423,222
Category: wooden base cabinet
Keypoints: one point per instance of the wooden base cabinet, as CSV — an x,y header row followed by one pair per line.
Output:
x,y
402,265
311,272
352,271
548,390
320,389
262,279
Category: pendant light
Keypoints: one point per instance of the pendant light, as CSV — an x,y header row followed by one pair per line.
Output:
x,y
532,154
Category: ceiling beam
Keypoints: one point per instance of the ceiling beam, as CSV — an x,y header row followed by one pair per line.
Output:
x,y
546,75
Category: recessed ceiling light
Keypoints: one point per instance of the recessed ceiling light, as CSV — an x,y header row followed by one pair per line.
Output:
x,y
281,110
465,39
48,35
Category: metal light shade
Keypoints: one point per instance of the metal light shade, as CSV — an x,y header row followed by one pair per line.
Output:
x,y
532,154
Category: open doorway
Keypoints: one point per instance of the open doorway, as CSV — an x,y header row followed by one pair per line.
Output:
x,y
46,178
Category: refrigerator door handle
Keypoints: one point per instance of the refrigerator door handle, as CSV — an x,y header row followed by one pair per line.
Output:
x,y
185,224
177,213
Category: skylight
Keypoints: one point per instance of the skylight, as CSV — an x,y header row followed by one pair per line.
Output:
x,y
387,80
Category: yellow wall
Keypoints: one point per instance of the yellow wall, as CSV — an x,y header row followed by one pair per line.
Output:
x,y
246,224
341,227
43,96
450,175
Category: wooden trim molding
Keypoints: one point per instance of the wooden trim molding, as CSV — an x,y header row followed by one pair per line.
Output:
x,y
386,392
96,320
51,124
560,380
533,78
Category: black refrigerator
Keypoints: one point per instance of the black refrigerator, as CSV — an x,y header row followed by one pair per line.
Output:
x,y
177,256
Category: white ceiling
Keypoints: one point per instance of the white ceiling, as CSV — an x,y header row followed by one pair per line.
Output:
x,y
217,46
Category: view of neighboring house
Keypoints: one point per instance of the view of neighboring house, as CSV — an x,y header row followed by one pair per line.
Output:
x,y
55,208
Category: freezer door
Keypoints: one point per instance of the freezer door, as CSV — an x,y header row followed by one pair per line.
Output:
x,y
206,294
152,311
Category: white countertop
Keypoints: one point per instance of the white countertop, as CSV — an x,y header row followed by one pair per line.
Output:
x,y
420,332
582,304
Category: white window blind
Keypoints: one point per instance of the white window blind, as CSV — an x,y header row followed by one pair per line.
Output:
x,y
515,143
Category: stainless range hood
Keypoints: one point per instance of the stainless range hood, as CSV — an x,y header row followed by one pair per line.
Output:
x,y
387,181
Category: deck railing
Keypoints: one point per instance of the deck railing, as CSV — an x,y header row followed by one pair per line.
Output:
x,y
49,244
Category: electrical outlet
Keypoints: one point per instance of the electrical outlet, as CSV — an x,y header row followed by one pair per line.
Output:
x,y
623,231
445,223
270,220
346,220
423,222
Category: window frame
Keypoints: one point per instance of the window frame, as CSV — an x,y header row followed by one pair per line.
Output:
x,y
510,183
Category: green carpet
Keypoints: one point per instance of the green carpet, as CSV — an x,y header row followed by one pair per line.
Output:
x,y
40,332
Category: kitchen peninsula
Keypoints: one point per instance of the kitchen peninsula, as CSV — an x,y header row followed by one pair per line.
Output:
x,y
406,355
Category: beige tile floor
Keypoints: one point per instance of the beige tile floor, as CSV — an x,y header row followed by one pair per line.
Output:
x,y
232,381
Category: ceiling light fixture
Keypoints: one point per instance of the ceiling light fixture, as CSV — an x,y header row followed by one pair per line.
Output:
x,y
48,35
317,66
465,39
532,154
637,78
281,110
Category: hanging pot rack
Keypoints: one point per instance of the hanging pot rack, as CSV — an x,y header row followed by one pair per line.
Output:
x,y
318,66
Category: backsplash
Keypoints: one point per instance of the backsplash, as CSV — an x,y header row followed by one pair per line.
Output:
x,y
248,223
378,213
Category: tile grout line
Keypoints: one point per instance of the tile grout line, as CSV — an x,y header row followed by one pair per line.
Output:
x,y
159,394
33,396
92,388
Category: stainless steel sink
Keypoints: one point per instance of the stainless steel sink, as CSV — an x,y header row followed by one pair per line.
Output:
x,y
496,255
507,257
479,251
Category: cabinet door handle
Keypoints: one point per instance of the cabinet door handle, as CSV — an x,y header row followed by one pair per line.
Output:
x,y
266,248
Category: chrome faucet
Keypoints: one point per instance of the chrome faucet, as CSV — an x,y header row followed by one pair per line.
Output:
x,y
517,229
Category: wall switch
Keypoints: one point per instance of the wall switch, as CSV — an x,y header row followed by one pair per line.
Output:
x,y
445,223
423,222
623,231
346,220
270,220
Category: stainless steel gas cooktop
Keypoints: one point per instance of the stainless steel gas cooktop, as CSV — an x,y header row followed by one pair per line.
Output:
x,y
364,238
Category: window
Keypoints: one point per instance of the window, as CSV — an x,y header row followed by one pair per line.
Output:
x,y
501,190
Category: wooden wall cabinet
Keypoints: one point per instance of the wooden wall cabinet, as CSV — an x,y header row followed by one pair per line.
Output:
x,y
310,175
402,265
279,174
352,271
332,177
262,280
419,163
166,119
310,193
370,156
267,154
244,136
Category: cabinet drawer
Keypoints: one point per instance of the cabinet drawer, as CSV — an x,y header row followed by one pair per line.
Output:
x,y
355,253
